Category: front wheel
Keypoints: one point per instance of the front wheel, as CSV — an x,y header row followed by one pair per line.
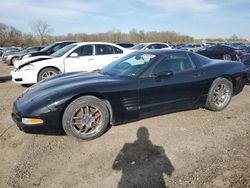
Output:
x,y
46,73
85,118
219,95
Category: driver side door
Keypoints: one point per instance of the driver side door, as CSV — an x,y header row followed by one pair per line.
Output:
x,y
81,59
168,93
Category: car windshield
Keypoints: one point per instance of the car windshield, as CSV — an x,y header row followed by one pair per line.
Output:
x,y
131,65
63,50
138,46
48,47
25,50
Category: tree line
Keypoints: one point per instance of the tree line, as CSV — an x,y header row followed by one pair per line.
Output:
x,y
10,36
41,35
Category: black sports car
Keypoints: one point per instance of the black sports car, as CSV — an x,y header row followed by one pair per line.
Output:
x,y
222,52
139,85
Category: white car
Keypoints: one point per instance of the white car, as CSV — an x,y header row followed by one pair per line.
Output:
x,y
85,56
151,46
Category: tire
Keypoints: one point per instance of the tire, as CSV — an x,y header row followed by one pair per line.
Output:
x,y
13,59
227,57
219,95
85,118
46,73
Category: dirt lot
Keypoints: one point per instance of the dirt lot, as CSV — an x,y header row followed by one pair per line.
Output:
x,y
195,148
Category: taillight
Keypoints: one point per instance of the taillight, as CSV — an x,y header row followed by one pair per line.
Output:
x,y
237,78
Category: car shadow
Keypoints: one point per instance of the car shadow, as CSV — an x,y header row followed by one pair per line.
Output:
x,y
142,163
42,131
5,78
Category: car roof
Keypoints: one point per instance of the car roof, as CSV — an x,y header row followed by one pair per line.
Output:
x,y
108,43
160,51
58,42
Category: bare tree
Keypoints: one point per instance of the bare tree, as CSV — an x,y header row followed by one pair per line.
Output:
x,y
42,29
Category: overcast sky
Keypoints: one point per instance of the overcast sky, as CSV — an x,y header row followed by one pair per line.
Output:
x,y
197,18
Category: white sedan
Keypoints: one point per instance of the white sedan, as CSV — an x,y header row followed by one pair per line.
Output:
x,y
85,56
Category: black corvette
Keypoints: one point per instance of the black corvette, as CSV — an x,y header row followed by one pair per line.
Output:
x,y
139,85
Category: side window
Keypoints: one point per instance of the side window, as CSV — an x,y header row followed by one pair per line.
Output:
x,y
213,48
85,50
152,46
160,46
101,49
175,62
117,50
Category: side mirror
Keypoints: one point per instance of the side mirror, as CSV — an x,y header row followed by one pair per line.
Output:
x,y
73,55
163,74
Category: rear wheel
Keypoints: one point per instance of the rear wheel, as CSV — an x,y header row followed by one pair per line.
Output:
x,y
219,95
85,118
226,57
46,73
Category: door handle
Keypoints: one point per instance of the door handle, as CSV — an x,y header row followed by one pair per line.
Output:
x,y
115,57
196,75
91,59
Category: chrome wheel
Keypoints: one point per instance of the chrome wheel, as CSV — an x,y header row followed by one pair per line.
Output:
x,y
221,95
48,74
87,120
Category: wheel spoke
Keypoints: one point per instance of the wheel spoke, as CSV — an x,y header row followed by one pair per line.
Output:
x,y
81,128
93,113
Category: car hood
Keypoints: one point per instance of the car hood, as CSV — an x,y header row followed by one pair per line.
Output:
x,y
23,62
64,83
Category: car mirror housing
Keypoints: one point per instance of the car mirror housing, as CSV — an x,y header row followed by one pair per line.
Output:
x,y
73,55
163,74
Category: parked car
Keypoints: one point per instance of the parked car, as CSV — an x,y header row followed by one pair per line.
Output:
x,y
48,50
86,56
222,52
138,85
126,45
150,46
193,47
1,51
7,51
245,59
12,57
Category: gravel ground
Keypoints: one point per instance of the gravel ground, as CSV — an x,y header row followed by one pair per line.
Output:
x,y
197,148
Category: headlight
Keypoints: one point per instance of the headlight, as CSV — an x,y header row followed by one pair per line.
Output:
x,y
26,56
27,67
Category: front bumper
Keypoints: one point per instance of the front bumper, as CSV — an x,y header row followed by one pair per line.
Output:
x,y
51,123
24,77
4,59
